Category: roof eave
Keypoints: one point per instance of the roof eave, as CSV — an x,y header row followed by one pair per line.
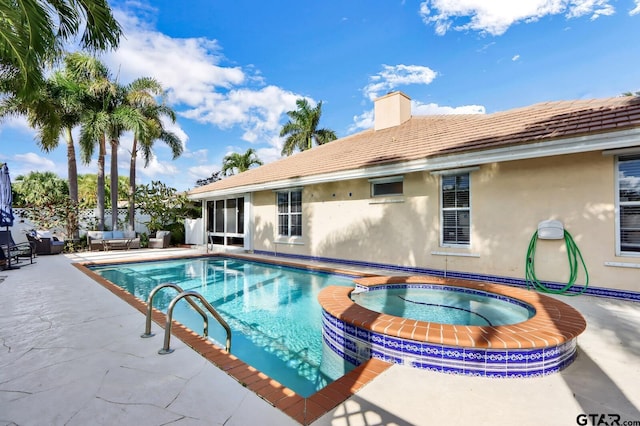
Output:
x,y
575,145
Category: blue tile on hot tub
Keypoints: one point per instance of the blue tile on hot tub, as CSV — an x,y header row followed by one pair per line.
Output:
x,y
551,352
475,355
411,347
427,366
363,334
515,357
385,357
496,357
351,329
393,343
516,373
350,345
377,339
452,370
433,350
453,353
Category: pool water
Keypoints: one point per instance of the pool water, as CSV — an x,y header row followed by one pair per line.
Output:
x,y
445,306
273,312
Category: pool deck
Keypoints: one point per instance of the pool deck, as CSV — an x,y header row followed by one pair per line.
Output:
x,y
71,354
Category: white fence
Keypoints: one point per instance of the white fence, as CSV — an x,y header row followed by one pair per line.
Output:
x,y
193,231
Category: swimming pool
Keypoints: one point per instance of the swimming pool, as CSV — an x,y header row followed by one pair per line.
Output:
x,y
273,312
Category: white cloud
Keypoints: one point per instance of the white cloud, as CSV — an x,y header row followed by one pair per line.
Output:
x,y
257,112
40,163
25,163
199,155
635,10
18,123
486,46
418,108
188,68
199,85
515,58
595,7
157,169
394,76
362,121
269,155
495,17
202,171
366,119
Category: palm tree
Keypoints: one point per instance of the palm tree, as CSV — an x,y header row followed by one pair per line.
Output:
x,y
142,96
302,128
55,111
94,77
240,162
107,116
32,34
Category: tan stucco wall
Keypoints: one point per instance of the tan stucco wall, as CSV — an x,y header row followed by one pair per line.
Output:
x,y
508,200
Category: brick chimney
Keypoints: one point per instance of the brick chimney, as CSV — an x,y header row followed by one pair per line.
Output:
x,y
391,110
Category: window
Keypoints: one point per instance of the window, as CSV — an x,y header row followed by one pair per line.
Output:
x,y
290,213
629,204
387,186
225,224
456,210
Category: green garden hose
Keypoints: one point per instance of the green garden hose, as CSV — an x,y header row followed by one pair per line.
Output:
x,y
573,254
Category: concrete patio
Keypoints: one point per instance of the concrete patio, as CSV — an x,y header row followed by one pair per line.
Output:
x,y
71,355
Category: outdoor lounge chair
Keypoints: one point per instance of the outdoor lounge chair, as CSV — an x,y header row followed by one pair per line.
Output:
x,y
14,250
46,245
161,240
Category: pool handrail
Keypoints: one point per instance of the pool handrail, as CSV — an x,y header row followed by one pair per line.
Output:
x,y
147,327
188,294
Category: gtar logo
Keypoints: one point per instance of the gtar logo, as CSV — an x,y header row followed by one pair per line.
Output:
x,y
599,419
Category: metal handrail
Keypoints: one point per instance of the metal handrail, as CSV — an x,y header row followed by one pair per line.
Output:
x,y
147,327
167,329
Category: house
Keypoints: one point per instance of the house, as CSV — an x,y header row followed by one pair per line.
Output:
x,y
455,195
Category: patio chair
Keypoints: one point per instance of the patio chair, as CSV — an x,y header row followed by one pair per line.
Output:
x,y
14,250
161,240
45,245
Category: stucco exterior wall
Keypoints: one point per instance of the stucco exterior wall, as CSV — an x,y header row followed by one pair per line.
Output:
x,y
341,220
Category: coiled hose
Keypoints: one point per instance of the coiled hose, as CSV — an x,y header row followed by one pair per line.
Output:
x,y
573,254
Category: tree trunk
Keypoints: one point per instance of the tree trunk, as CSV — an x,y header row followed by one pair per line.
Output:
x,y
114,184
132,185
72,171
100,194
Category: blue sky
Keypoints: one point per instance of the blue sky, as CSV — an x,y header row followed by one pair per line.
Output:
x,y
232,69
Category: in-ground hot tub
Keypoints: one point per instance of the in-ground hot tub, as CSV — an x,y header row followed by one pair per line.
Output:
x,y
542,342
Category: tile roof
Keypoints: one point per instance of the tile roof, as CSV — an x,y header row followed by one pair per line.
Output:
x,y
432,136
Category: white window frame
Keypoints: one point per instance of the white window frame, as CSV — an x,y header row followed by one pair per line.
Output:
x,y
443,209
289,214
385,180
620,204
225,233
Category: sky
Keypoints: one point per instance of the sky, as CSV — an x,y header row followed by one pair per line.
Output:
x,y
232,69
